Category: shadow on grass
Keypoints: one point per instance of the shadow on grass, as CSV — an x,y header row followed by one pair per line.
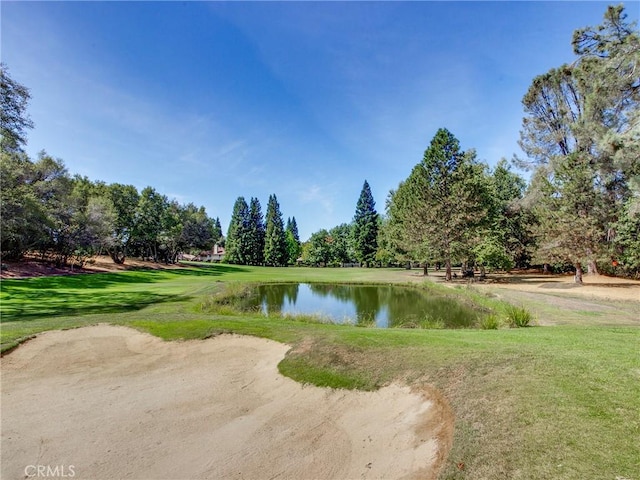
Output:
x,y
104,280
81,294
73,305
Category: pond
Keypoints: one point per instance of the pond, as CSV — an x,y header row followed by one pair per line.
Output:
x,y
380,305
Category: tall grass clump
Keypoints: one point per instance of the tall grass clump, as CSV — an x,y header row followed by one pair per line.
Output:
x,y
518,316
490,322
234,299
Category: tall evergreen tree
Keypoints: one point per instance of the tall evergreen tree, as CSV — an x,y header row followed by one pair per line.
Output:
x,y
588,112
569,214
439,209
294,248
365,227
275,248
218,237
235,249
256,234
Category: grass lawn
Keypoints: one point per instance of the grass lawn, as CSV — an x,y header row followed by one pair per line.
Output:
x,y
557,402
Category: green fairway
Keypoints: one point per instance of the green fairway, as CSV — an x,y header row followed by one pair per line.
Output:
x,y
530,403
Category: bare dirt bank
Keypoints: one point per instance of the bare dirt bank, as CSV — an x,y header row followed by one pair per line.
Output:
x,y
111,402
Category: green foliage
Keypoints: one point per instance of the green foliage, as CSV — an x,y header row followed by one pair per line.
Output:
x,y
22,213
491,253
341,244
330,248
628,239
233,299
67,220
365,227
439,211
490,322
149,221
124,199
199,232
569,213
580,130
294,248
518,316
237,235
255,234
14,120
275,247
508,232
318,249
218,237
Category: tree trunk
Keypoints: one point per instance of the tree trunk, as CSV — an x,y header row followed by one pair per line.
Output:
x,y
425,269
592,268
117,256
447,275
578,277
408,266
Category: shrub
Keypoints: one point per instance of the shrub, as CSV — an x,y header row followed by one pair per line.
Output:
x,y
518,316
490,322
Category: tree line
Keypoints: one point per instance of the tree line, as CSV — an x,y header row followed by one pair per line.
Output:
x,y
67,219
254,240
353,243
581,135
580,209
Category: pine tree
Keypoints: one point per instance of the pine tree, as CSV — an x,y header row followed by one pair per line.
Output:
x,y
365,227
439,210
275,248
589,108
256,234
569,212
294,248
218,238
237,234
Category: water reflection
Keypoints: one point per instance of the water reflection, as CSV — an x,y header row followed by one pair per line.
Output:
x,y
384,306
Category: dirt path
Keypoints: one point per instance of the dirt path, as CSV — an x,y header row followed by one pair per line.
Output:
x,y
556,299
108,402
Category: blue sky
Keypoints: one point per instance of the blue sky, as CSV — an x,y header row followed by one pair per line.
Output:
x,y
210,101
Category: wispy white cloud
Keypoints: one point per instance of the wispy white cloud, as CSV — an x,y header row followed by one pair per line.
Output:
x,y
318,195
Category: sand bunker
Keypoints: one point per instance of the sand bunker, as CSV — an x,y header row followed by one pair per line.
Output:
x,y
110,402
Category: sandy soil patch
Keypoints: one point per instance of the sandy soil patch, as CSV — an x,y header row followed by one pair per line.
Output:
x,y
595,287
111,402
598,287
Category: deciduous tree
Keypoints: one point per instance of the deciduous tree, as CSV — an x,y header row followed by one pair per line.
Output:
x,y
14,120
